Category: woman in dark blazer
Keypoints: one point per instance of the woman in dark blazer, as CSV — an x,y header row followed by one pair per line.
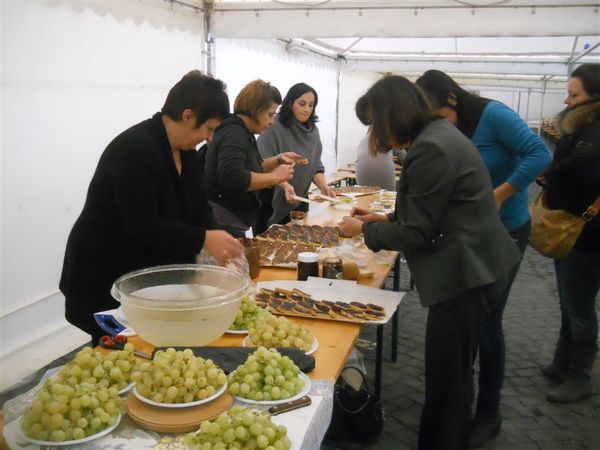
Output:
x,y
145,205
458,251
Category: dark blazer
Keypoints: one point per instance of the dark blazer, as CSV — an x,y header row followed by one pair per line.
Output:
x,y
230,158
138,213
446,221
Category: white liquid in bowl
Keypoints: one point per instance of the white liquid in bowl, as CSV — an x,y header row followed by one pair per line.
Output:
x,y
170,323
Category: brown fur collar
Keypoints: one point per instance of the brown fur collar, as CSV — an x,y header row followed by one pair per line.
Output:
x,y
572,120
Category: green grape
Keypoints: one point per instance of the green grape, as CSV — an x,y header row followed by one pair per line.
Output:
x,y
239,428
179,377
271,331
248,314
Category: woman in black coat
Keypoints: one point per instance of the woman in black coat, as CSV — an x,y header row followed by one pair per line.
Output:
x,y
447,227
145,205
572,183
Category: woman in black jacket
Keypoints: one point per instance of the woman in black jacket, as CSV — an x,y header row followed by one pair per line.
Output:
x,y
572,183
145,205
235,171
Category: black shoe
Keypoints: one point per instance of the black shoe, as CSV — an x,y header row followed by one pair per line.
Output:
x,y
553,372
483,429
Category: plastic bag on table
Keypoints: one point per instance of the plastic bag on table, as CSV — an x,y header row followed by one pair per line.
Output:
x,y
239,264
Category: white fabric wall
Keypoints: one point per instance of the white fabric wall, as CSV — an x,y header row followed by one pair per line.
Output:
x,y
352,86
74,75
239,61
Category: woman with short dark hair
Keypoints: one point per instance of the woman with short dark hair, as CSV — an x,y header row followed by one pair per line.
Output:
x,y
235,171
145,205
572,183
295,129
458,252
514,156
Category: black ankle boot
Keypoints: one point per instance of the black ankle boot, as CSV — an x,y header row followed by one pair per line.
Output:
x,y
578,383
483,429
557,369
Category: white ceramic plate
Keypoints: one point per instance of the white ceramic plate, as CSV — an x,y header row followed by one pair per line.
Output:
x,y
305,390
127,388
313,348
236,331
180,405
72,442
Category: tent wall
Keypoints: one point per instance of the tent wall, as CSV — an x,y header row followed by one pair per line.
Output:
x,y
239,61
74,75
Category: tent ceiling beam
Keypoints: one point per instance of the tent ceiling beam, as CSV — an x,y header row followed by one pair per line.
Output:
x,y
590,49
432,22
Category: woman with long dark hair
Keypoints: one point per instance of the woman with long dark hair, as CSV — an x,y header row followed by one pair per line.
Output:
x,y
514,156
572,183
295,130
447,227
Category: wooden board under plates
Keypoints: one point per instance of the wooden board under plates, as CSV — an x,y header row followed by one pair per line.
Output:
x,y
175,420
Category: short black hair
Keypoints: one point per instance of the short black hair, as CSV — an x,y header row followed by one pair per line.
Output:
x,y
204,95
298,90
397,111
589,74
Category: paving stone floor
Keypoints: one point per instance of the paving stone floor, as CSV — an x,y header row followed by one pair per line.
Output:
x,y
531,322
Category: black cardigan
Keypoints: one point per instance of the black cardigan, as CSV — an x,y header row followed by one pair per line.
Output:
x,y
572,181
138,213
231,157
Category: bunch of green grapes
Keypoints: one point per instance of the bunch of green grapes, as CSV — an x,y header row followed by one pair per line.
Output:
x,y
91,366
266,376
178,377
62,412
271,331
248,314
240,428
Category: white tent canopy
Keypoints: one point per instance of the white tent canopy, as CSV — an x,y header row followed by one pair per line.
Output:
x,y
516,43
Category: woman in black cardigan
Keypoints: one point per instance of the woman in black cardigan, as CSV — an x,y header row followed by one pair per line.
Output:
x,y
237,177
145,205
572,183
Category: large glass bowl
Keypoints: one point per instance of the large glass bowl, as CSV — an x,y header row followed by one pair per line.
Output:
x,y
180,305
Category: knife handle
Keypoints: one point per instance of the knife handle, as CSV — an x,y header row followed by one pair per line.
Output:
x,y
289,406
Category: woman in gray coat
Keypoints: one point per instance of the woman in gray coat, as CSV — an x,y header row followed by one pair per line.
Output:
x,y
457,249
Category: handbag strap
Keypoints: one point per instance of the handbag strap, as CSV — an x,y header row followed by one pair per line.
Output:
x,y
364,405
591,210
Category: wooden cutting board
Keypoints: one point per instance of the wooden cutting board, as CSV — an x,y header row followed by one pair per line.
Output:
x,y
175,420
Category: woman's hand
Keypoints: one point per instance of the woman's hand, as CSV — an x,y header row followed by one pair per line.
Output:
x,y
222,245
291,158
350,226
327,191
283,172
365,216
289,192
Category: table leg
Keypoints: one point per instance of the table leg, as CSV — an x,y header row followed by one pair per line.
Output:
x,y
394,342
378,359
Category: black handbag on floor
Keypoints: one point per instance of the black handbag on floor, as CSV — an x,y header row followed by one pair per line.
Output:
x,y
358,416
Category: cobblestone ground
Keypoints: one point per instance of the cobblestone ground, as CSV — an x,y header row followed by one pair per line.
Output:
x,y
531,322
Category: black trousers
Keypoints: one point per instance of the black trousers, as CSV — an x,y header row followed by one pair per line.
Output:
x,y
450,347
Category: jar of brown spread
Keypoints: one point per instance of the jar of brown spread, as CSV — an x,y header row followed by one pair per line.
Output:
x,y
332,266
308,265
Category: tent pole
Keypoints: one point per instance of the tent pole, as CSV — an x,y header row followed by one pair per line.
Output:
x,y
209,43
541,107
527,105
337,112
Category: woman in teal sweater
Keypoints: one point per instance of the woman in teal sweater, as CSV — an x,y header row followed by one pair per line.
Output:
x,y
514,156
